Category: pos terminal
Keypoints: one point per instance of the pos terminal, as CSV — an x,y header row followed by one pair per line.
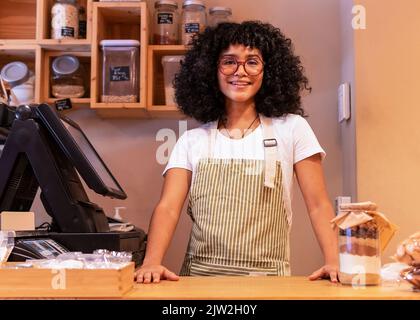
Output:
x,y
46,150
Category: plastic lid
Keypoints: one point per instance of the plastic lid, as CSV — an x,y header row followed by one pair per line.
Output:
x,y
65,64
120,43
178,58
166,2
15,73
191,2
225,9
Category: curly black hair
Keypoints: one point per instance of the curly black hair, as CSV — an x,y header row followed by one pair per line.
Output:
x,y
196,85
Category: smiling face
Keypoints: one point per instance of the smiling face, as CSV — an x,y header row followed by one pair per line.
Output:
x,y
241,86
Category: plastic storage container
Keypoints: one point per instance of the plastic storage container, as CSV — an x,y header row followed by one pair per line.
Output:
x,y
194,20
218,15
21,82
360,255
171,66
165,22
65,20
120,71
67,77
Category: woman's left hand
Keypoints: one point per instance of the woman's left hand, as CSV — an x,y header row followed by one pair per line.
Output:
x,y
328,271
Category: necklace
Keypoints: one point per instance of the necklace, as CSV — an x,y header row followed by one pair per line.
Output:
x,y
243,134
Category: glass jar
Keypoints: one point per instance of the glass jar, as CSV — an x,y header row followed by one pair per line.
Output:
x,y
67,77
359,255
120,71
218,15
65,20
82,22
20,81
165,22
194,20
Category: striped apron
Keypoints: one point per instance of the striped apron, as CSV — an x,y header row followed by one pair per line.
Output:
x,y
240,224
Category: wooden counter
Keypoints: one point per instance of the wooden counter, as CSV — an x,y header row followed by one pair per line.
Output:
x,y
235,288
264,288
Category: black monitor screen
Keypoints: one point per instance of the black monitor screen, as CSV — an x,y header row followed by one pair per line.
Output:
x,y
80,151
91,155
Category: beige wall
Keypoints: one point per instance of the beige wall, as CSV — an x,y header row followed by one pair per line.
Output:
x,y
387,68
129,146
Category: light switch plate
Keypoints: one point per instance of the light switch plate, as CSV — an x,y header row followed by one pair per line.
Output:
x,y
344,102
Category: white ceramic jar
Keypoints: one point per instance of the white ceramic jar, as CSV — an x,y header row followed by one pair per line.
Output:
x,y
21,82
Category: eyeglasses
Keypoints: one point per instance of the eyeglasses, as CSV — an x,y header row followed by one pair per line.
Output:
x,y
228,65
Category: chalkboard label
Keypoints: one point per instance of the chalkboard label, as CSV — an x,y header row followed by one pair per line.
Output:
x,y
120,73
63,104
192,28
165,18
67,32
82,29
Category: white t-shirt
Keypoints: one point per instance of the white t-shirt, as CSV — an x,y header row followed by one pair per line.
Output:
x,y
296,141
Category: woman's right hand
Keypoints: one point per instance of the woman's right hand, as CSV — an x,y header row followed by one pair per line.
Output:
x,y
153,274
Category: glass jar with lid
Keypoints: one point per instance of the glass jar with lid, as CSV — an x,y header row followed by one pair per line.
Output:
x,y
20,81
120,71
67,77
218,15
165,22
65,20
194,20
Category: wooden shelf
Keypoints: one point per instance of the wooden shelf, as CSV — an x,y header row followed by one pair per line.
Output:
x,y
44,19
156,104
118,20
65,45
48,56
76,102
18,22
30,55
25,36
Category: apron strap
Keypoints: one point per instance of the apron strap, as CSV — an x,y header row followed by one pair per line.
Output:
x,y
270,151
212,140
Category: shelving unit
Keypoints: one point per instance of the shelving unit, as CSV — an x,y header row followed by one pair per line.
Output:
x,y
48,57
25,36
19,23
118,20
29,54
156,88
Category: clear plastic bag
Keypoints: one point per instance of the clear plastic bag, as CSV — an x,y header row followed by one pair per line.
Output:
x,y
7,243
409,250
412,275
99,259
390,274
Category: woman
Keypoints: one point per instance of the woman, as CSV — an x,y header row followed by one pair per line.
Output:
x,y
243,82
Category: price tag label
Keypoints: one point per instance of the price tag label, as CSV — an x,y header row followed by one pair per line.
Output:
x,y
67,32
63,104
120,73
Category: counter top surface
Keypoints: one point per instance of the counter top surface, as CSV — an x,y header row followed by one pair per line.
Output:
x,y
265,288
